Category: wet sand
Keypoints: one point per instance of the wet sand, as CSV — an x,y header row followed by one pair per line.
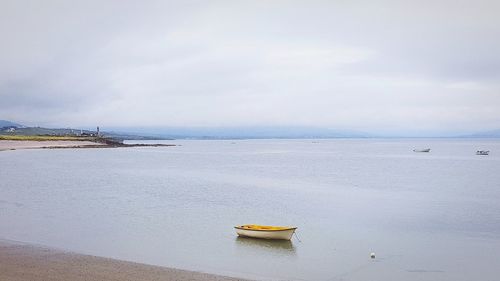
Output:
x,y
22,262
15,144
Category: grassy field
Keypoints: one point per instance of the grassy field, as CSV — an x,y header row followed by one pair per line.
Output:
x,y
45,138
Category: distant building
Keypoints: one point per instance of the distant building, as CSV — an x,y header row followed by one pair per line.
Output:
x,y
85,134
9,129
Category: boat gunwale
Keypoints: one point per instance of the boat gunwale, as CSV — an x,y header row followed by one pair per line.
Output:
x,y
266,230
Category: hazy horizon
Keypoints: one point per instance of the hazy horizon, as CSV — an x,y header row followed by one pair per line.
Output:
x,y
416,68
257,132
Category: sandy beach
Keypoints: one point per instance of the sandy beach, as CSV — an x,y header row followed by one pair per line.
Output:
x,y
48,144
14,144
22,262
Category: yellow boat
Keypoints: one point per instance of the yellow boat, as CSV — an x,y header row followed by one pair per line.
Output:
x,y
265,231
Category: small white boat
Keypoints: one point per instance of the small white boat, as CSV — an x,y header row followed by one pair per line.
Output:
x,y
265,231
482,152
422,150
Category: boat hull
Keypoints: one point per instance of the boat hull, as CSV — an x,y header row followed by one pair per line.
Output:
x,y
263,234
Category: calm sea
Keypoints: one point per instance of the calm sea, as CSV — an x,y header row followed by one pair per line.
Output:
x,y
426,216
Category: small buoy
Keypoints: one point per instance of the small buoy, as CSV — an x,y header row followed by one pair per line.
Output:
x,y
372,255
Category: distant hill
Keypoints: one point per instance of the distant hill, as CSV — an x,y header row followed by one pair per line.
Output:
x,y
39,131
5,123
244,132
487,134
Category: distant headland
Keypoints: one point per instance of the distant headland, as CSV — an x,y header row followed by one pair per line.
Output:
x,y
15,136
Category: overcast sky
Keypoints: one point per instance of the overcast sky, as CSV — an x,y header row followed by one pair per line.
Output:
x,y
388,66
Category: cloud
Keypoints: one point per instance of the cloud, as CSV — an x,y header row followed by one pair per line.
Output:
x,y
431,65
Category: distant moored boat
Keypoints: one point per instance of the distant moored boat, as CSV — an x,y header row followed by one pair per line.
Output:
x,y
422,150
482,152
265,231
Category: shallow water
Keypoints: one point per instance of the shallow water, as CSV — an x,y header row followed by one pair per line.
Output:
x,y
427,216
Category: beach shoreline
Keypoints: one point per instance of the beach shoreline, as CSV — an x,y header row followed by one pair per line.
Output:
x,y
31,144
61,144
21,261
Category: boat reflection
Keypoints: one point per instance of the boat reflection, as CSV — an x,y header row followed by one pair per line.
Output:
x,y
278,247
